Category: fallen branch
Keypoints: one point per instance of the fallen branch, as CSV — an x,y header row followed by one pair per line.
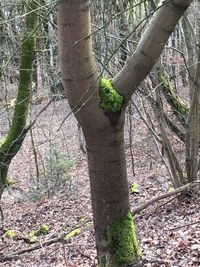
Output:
x,y
166,195
14,255
182,226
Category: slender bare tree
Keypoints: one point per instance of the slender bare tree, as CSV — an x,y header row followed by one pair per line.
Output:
x,y
12,142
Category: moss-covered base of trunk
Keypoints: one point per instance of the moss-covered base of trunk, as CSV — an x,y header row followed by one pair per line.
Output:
x,y
123,247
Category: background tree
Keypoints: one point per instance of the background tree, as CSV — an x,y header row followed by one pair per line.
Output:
x,y
167,87
12,142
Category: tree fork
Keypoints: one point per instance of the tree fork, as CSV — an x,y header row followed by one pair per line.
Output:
x,y
105,137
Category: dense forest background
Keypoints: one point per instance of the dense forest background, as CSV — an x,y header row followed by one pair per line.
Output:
x,y
46,216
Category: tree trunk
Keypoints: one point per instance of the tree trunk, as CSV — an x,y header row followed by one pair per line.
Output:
x,y
102,120
110,198
104,133
11,144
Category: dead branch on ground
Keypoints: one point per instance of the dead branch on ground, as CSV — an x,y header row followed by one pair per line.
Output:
x,y
166,195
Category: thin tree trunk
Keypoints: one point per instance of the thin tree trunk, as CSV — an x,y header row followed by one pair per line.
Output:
x,y
193,130
11,144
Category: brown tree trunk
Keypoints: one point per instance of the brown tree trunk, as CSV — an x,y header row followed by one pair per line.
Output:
x,y
110,197
103,130
104,140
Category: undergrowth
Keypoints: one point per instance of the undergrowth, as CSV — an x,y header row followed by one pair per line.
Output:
x,y
54,168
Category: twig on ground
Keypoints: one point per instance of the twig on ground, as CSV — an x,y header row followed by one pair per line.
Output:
x,y
1,212
181,226
15,254
64,254
84,255
170,200
166,195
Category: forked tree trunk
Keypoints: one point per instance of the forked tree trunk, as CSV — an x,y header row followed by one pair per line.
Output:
x,y
104,140
103,129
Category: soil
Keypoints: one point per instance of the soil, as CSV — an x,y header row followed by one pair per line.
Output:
x,y
168,231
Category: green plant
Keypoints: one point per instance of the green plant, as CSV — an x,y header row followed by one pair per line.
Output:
x,y
134,188
43,230
54,168
31,238
56,165
10,233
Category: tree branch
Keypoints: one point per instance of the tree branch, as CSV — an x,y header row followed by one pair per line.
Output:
x,y
15,254
149,47
166,195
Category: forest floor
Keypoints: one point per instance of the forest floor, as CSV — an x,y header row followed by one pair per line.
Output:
x,y
168,231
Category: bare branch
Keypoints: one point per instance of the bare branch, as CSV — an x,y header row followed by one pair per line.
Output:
x,y
149,47
166,195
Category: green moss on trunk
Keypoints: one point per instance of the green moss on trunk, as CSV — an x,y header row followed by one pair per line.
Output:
x,y
179,108
122,241
11,144
111,100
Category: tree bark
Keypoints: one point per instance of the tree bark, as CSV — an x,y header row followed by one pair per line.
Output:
x,y
11,144
104,140
110,196
103,129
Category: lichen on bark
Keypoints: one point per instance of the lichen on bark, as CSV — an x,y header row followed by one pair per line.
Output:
x,y
121,238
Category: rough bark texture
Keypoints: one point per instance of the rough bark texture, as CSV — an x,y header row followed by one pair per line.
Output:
x,y
103,128
11,144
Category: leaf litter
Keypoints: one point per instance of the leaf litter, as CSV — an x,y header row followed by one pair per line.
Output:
x,y
168,231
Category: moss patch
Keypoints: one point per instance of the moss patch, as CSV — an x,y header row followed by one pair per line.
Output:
x,y
122,240
43,230
10,233
102,262
173,99
73,233
111,100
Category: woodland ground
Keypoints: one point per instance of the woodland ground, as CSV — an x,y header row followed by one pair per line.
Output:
x,y
168,231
